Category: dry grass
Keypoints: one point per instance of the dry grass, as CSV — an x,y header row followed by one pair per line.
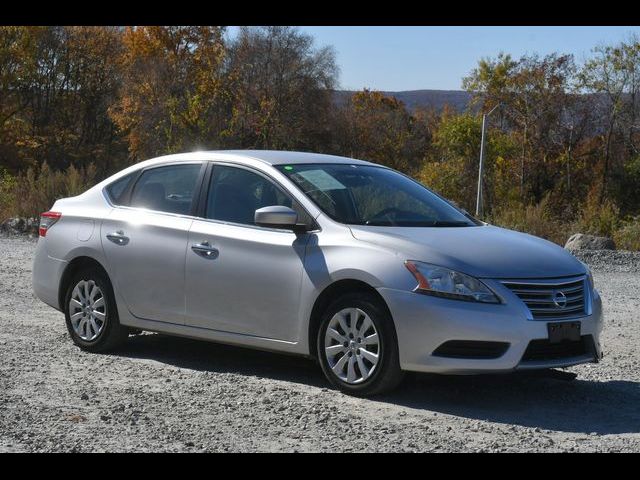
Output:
x,y
28,194
627,237
534,219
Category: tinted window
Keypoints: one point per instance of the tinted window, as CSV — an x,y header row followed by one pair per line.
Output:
x,y
117,189
166,189
235,194
369,195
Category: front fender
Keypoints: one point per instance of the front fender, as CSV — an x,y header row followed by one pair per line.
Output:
x,y
336,256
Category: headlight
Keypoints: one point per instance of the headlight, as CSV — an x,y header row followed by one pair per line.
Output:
x,y
442,282
589,274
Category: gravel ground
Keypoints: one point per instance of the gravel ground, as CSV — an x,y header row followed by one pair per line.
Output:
x,y
171,394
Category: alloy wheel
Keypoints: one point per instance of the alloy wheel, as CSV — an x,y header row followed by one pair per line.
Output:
x,y
87,310
352,345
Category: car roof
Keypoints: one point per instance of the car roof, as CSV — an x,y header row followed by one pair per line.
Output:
x,y
270,157
243,157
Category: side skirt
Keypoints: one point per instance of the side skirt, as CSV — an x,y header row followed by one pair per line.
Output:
x,y
229,338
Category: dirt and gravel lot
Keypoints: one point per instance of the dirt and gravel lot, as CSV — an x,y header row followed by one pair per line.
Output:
x,y
171,394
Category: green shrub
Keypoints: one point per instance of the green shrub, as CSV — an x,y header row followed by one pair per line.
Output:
x,y
448,179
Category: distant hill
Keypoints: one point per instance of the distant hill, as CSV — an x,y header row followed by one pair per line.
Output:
x,y
413,99
460,99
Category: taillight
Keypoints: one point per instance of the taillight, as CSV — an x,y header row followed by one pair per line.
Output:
x,y
47,220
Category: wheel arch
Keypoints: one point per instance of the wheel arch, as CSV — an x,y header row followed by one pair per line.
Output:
x,y
77,264
330,293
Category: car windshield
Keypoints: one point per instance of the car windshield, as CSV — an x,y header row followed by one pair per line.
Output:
x,y
371,195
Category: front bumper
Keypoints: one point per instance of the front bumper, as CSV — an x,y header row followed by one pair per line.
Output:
x,y
424,322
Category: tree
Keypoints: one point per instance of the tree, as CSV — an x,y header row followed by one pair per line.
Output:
x,y
452,168
281,90
379,128
536,100
614,73
17,62
56,85
173,92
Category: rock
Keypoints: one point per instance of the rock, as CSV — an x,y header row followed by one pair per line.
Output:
x,y
19,226
16,224
580,241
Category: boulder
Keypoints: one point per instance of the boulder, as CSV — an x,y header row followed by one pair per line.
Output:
x,y
19,226
580,241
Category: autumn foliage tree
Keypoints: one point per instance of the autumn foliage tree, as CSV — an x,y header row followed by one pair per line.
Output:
x,y
56,86
173,93
280,90
537,105
79,103
612,75
379,128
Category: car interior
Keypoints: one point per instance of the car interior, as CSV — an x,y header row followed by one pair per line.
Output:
x,y
235,195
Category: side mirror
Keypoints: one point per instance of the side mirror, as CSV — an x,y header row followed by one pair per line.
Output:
x,y
276,216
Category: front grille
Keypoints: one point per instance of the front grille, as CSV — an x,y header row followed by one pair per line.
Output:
x,y
471,349
545,350
539,296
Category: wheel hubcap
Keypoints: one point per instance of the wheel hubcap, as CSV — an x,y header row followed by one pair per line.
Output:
x,y
87,310
352,346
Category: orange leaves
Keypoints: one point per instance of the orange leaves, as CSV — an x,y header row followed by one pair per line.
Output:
x,y
171,82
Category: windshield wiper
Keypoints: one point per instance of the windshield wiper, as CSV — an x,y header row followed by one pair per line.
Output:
x,y
451,223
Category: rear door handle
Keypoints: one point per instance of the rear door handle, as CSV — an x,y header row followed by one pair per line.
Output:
x,y
118,237
205,250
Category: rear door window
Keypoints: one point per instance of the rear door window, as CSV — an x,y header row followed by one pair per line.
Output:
x,y
168,189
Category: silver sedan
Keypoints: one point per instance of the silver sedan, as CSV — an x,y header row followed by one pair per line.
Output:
x,y
339,259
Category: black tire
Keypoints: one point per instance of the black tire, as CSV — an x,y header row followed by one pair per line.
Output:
x,y
112,335
387,374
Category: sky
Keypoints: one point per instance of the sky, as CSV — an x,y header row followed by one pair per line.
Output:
x,y
415,58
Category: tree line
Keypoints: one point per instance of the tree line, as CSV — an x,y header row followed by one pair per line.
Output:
x,y
79,103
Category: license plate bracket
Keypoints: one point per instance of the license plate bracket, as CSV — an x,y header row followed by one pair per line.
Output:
x,y
564,331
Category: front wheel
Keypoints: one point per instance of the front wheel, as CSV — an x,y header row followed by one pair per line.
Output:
x,y
91,314
357,346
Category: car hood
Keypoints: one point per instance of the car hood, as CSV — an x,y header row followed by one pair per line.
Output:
x,y
481,251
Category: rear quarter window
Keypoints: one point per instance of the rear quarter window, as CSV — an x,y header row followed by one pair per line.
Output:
x,y
117,190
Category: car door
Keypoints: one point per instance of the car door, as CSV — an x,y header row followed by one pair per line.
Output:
x,y
145,241
242,278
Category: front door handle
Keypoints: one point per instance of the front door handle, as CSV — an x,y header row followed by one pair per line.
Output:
x,y
118,237
205,250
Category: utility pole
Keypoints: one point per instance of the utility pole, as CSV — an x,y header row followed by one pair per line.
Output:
x,y
480,170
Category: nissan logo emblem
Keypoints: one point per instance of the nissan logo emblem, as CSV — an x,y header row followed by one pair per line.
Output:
x,y
559,299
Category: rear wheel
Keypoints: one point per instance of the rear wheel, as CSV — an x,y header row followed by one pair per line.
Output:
x,y
91,313
357,346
